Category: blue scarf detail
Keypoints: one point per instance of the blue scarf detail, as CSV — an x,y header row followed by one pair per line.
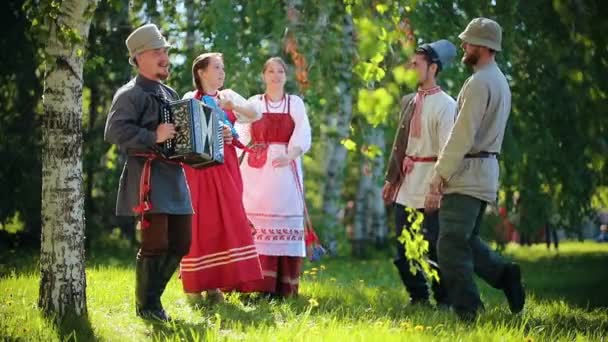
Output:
x,y
209,101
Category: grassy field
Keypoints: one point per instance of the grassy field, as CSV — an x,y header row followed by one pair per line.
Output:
x,y
341,300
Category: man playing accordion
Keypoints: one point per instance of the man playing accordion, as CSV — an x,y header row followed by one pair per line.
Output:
x,y
151,187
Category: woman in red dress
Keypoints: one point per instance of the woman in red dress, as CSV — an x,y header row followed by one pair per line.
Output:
x,y
222,253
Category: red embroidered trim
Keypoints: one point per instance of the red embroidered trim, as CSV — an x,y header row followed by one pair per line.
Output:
x,y
279,234
273,215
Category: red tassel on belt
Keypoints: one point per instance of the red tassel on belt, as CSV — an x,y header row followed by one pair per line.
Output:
x,y
145,186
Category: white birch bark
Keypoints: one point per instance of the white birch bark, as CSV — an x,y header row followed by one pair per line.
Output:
x,y
63,281
336,153
362,217
378,228
370,214
190,24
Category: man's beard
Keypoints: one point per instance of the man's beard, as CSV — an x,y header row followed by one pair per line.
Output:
x,y
163,75
421,80
471,59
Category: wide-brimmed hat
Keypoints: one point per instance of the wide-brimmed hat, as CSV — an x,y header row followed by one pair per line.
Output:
x,y
146,37
483,32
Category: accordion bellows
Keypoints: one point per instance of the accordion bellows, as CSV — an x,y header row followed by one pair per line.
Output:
x,y
199,140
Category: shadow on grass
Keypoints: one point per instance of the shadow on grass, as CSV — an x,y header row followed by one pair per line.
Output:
x,y
18,261
257,311
551,322
356,302
577,280
573,321
73,328
25,260
214,318
185,330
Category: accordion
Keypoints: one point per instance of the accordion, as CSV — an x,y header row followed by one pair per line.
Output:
x,y
199,140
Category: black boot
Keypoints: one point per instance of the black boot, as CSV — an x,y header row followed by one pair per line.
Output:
x,y
513,288
147,281
168,266
440,294
415,284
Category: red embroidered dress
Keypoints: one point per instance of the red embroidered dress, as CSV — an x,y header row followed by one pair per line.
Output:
x,y
222,253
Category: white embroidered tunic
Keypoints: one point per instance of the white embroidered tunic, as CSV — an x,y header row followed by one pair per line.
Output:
x,y
438,115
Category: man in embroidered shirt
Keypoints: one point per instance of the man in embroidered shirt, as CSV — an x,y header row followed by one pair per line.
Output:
x,y
466,174
428,117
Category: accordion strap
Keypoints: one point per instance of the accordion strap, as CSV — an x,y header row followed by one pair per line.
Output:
x,y
145,185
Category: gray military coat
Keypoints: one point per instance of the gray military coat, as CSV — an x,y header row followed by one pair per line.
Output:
x,y
131,125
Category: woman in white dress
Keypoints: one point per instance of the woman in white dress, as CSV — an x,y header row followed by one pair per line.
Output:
x,y
273,185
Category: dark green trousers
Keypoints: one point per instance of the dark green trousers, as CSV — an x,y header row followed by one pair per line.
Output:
x,y
462,253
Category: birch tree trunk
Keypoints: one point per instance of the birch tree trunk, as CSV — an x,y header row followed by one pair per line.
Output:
x,y
62,273
378,227
370,215
336,153
190,24
362,217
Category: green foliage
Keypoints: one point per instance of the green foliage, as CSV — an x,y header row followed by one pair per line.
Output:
x,y
380,49
600,198
416,246
349,144
44,18
376,104
553,55
20,92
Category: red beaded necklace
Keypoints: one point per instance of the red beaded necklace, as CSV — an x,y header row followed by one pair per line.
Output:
x,y
283,104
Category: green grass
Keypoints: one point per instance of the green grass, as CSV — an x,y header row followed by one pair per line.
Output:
x,y
341,300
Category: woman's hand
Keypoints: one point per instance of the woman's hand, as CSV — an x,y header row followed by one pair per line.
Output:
x,y
281,161
226,104
284,160
227,133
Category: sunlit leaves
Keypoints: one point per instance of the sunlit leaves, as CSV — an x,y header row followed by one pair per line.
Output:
x,y
349,144
375,104
381,8
576,76
371,39
405,76
380,45
371,151
369,72
416,246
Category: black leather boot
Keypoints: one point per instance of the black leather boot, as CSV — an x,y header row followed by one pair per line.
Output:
x,y
440,294
513,288
414,284
147,284
168,266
